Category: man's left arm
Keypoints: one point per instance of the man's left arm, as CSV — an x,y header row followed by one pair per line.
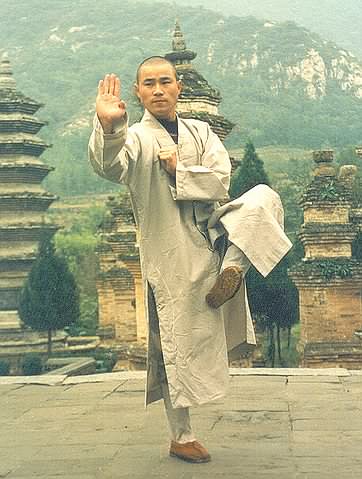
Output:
x,y
209,181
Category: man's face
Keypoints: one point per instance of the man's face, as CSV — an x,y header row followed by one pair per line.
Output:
x,y
158,90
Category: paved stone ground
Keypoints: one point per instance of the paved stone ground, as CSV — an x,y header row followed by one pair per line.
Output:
x,y
285,424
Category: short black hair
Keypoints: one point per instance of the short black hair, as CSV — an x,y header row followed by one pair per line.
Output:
x,y
155,59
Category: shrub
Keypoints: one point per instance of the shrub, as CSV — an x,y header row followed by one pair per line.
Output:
x,y
32,364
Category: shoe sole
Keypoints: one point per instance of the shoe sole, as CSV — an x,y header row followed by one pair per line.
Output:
x,y
225,288
189,459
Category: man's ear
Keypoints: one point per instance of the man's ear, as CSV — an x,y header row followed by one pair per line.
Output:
x,y
180,86
136,92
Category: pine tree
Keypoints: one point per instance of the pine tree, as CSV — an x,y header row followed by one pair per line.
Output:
x,y
249,174
273,299
50,297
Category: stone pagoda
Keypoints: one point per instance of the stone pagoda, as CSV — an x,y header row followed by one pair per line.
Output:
x,y
23,201
198,99
329,278
122,323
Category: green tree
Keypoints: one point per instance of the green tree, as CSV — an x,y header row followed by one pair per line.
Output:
x,y
77,244
249,174
50,297
273,300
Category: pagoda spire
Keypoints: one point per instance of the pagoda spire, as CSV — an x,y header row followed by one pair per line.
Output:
x,y
180,55
178,42
198,99
7,82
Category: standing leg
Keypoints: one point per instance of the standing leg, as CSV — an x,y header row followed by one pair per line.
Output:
x,y
183,443
178,419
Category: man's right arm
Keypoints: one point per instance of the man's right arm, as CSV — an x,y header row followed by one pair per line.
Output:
x,y
113,155
112,150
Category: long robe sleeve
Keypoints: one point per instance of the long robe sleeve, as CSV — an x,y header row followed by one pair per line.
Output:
x,y
113,156
208,181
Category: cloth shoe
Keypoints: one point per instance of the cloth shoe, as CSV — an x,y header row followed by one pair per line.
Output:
x,y
227,284
189,451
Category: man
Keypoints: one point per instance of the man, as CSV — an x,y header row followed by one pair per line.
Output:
x,y
176,172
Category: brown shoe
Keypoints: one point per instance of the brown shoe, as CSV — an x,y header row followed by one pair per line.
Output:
x,y
227,284
190,452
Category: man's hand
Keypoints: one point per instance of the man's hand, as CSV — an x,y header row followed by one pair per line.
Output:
x,y
168,160
109,107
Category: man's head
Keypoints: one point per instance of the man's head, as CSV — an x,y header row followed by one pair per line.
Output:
x,y
158,87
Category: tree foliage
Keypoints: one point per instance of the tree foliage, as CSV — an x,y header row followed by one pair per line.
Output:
x,y
249,174
77,244
273,300
50,297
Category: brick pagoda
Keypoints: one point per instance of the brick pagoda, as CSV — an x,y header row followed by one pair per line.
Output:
x,y
329,278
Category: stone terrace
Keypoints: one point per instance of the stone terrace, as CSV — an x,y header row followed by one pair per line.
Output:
x,y
285,424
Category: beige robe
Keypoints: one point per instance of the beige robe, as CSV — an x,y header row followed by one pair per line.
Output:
x,y
179,220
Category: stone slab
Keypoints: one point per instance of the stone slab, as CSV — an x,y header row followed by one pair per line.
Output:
x,y
289,372
91,378
6,388
41,379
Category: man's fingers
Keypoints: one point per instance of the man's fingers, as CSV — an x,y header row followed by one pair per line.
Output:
x,y
117,87
106,84
110,85
100,87
167,155
164,157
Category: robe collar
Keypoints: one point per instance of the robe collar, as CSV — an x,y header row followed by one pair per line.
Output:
x,y
162,136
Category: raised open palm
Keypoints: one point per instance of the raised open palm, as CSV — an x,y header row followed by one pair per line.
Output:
x,y
110,108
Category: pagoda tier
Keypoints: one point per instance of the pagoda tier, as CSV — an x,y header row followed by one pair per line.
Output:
x,y
20,123
219,125
16,102
19,202
198,100
23,200
18,232
21,144
23,173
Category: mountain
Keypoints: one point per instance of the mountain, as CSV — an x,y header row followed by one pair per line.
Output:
x,y
281,83
334,20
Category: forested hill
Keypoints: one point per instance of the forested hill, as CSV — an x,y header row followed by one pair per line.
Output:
x,y
281,84
335,20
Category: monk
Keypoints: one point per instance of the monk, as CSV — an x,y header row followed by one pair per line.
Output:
x,y
194,253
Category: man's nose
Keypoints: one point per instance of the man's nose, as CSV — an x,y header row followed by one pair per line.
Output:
x,y
158,90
